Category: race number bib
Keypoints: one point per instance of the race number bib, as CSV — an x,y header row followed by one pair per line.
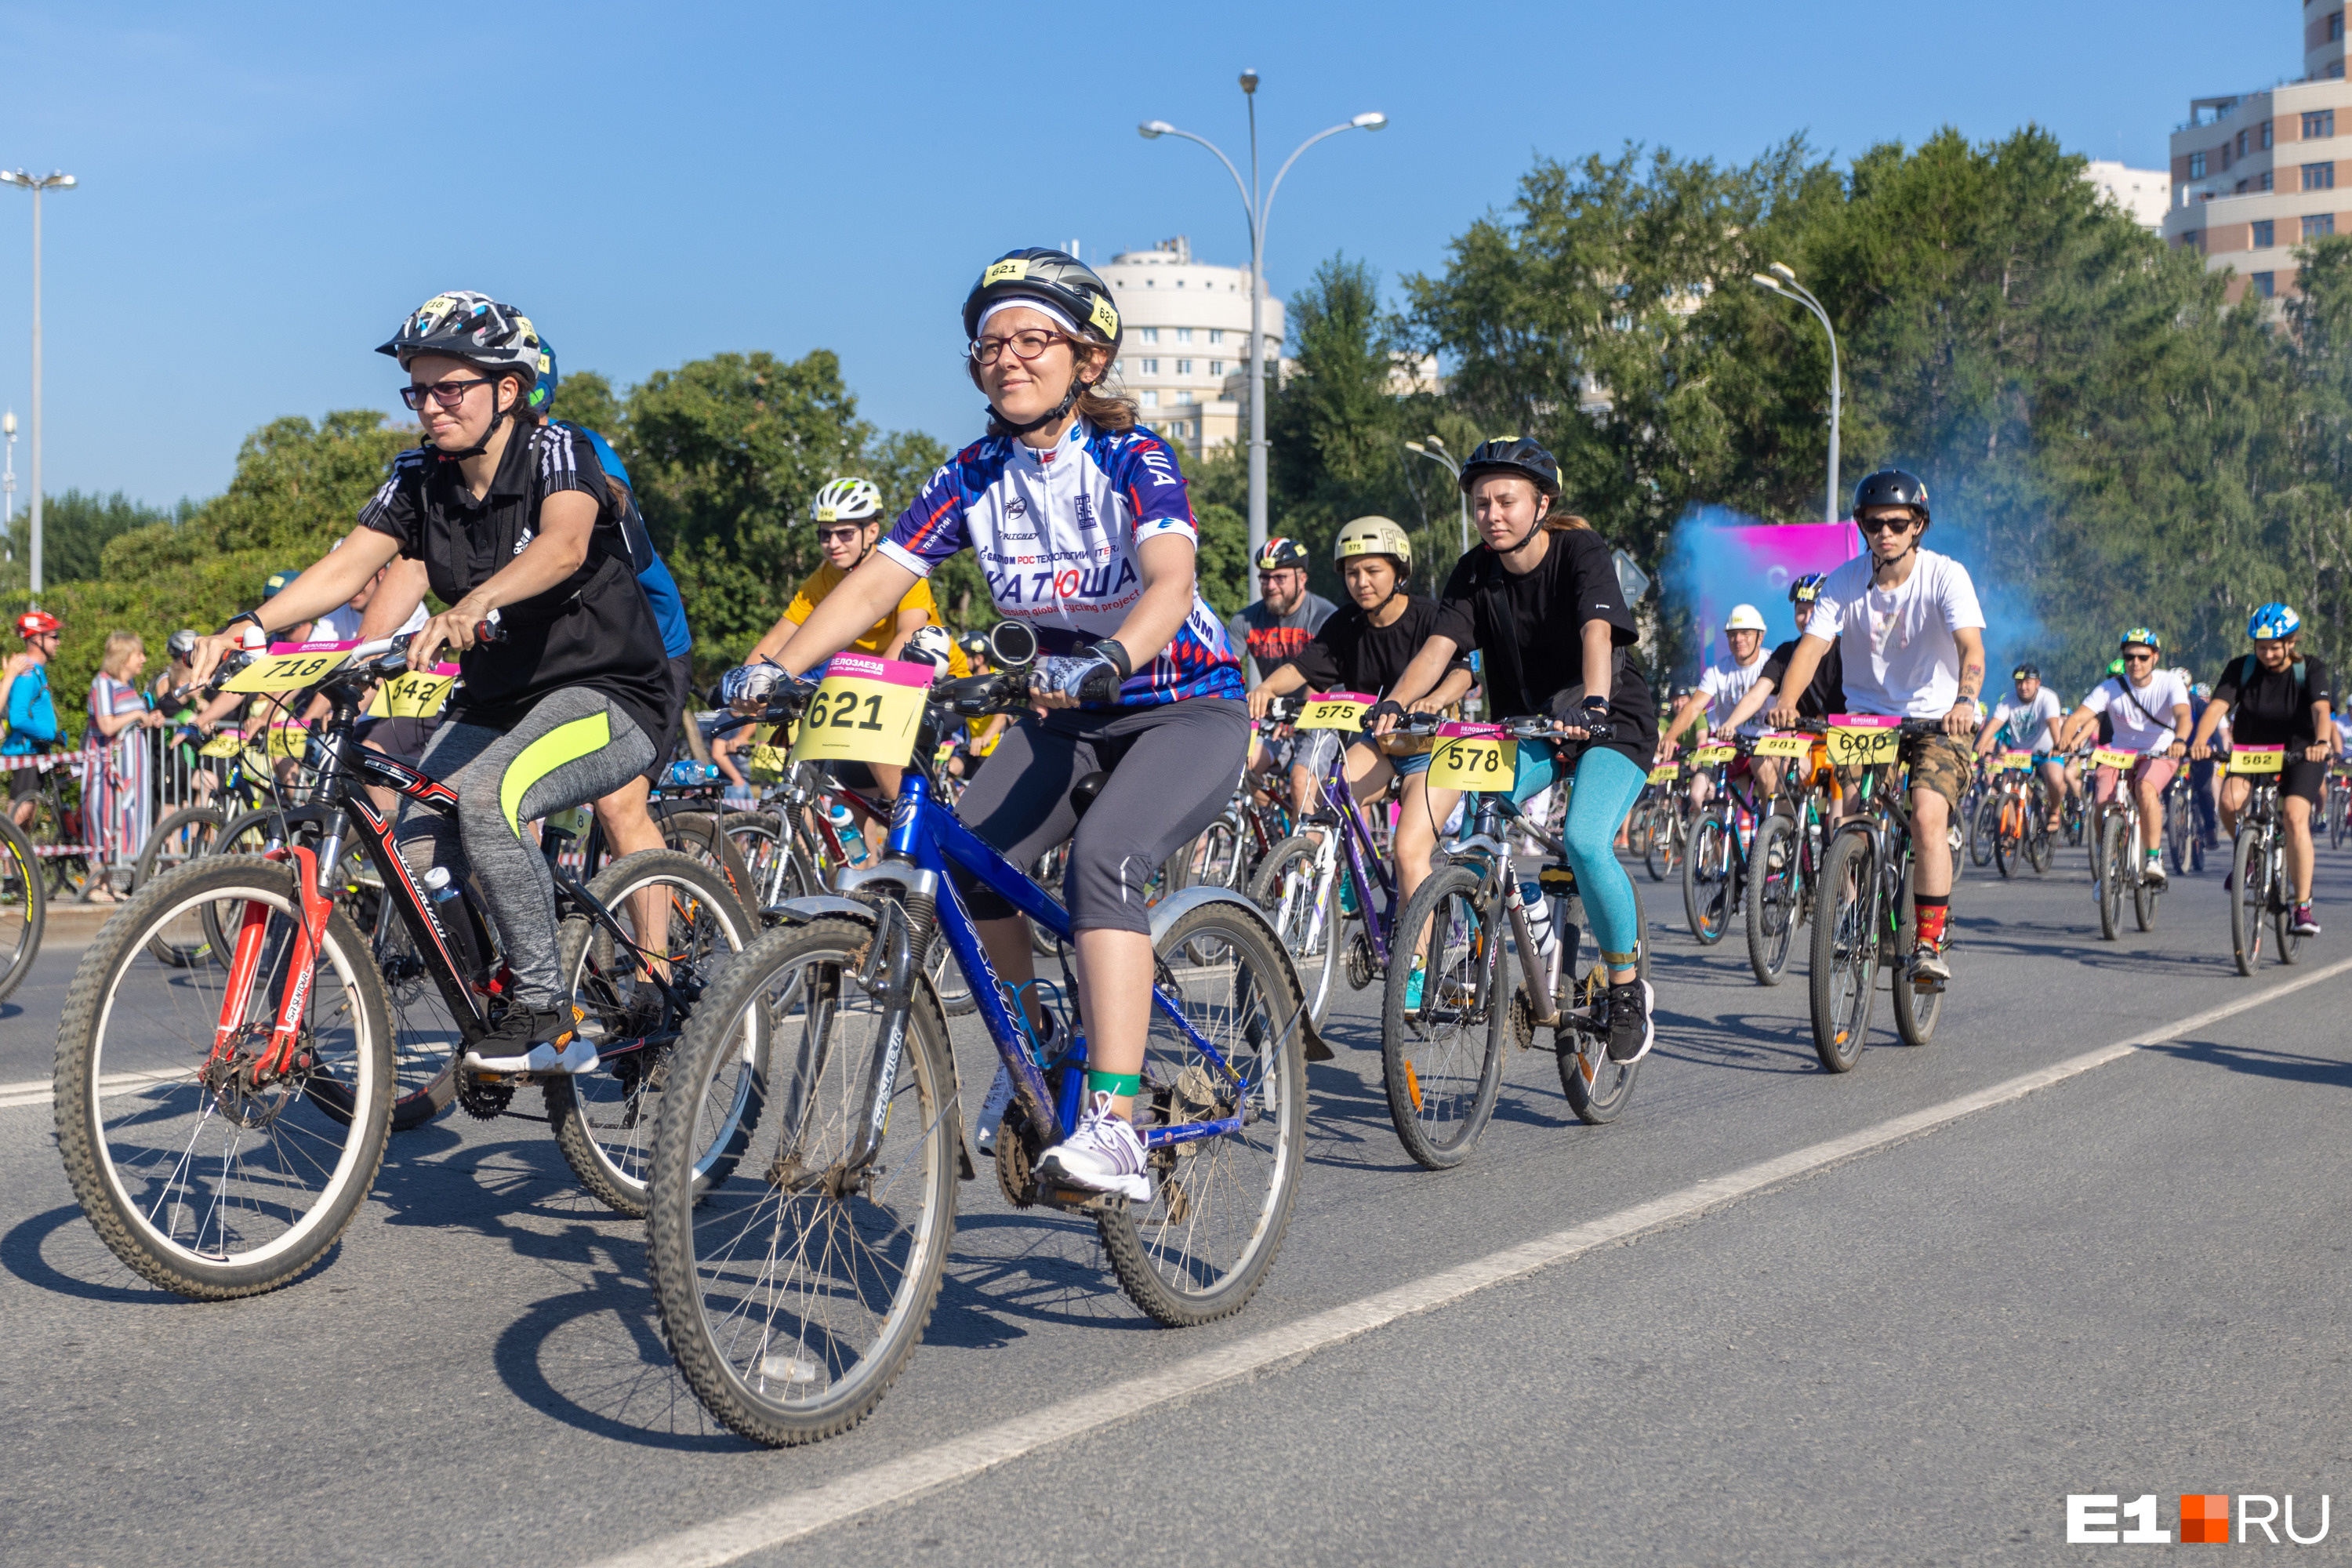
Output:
x,y
1780,745
2108,757
289,667
1336,710
1473,756
2257,759
1863,740
288,740
224,744
419,694
1664,774
1708,756
2012,761
866,710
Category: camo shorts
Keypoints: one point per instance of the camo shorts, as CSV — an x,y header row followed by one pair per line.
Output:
x,y
1940,763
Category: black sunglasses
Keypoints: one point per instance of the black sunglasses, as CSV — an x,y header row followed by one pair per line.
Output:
x,y
448,394
1883,524
829,535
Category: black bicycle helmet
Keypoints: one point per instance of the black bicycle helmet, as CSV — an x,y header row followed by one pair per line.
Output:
x,y
1055,276
2025,672
1513,455
1278,552
1807,589
1891,487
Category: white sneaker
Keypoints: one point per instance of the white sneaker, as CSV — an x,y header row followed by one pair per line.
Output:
x,y
575,1057
2153,875
1104,1155
992,1110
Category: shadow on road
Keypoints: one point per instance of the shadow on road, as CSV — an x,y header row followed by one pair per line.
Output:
x,y
83,1267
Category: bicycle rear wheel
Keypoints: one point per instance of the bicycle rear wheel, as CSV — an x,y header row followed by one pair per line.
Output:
x,y
179,838
1304,916
1984,828
1200,1247
1599,1088
1707,877
199,1179
793,1289
1845,956
1442,1060
2112,871
1666,851
1771,911
2249,892
2145,895
2282,902
1916,1011
604,1121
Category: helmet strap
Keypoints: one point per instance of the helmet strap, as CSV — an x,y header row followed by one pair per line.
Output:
x,y
482,445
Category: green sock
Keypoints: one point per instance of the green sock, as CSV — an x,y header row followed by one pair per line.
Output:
x,y
1114,1083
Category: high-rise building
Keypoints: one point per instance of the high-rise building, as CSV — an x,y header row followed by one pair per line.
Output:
x,y
1186,354
2256,175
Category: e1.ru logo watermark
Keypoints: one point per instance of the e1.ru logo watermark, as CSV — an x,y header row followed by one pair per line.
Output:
x,y
2102,1519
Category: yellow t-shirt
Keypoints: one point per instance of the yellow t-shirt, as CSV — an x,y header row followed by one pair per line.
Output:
x,y
828,577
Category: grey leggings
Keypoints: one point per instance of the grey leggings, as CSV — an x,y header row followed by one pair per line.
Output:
x,y
574,747
1172,769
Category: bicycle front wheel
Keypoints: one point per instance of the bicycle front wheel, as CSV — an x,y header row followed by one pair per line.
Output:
x,y
1303,915
1441,1052
1708,877
687,919
791,1286
1773,883
1200,1247
1844,958
24,907
202,1175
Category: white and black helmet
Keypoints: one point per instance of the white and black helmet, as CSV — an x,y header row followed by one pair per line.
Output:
x,y
846,501
475,328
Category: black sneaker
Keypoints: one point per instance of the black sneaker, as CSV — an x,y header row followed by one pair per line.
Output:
x,y
1630,1033
534,1040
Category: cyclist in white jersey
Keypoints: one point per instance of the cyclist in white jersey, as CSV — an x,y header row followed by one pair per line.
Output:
x,y
2028,723
1079,519
1718,691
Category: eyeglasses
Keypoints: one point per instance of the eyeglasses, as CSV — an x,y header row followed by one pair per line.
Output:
x,y
2139,658
837,535
1026,346
448,394
1883,524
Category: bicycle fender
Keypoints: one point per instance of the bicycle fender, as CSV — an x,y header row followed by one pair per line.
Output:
x,y
1170,910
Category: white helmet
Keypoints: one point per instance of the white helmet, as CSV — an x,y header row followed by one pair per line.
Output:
x,y
846,501
928,646
1743,618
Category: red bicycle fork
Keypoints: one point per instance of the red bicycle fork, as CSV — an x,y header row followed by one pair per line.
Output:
x,y
245,966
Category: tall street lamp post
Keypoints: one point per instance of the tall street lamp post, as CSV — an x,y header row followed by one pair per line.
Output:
x,y
1257,208
36,183
1434,450
8,489
1784,283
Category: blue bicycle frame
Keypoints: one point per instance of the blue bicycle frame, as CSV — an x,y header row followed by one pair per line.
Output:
x,y
927,836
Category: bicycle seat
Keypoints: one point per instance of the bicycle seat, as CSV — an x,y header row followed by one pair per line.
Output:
x,y
1083,792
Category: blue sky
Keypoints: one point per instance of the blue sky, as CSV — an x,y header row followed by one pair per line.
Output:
x,y
267,189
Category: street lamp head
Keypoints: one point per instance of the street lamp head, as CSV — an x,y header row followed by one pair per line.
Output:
x,y
8,423
15,177
1153,129
1436,444
1373,120
1249,81
60,180
1781,272
1763,283
1416,447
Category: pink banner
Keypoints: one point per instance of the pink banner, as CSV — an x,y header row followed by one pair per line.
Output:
x,y
1718,565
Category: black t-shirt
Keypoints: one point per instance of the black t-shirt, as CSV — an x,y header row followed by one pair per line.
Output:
x,y
1353,655
593,629
1826,694
1531,628
2265,707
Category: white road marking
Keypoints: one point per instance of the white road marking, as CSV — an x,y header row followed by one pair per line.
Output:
x,y
42,1090
799,1514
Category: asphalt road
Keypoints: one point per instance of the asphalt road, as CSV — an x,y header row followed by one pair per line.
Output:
x,y
2129,1282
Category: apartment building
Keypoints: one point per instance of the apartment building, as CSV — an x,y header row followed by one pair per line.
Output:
x,y
2256,175
1186,358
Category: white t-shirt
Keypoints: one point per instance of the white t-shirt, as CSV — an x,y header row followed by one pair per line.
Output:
x,y
2024,725
1900,656
1725,684
341,624
2136,730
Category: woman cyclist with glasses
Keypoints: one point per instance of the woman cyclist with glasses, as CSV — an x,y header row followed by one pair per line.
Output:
x,y
1081,522
511,514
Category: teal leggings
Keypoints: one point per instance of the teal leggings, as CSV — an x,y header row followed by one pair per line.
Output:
x,y
1606,785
